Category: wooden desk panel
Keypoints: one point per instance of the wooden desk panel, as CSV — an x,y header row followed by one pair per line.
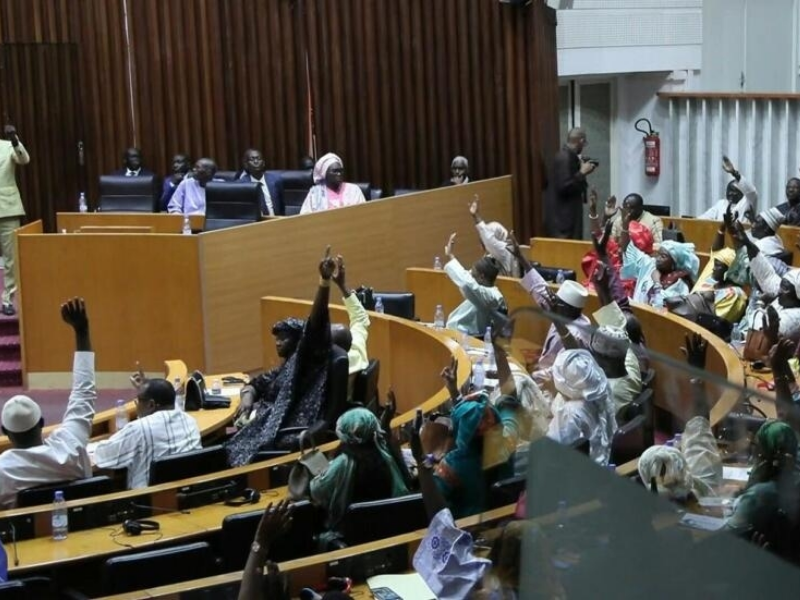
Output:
x,y
378,239
159,222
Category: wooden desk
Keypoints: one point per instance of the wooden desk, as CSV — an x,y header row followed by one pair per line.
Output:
x,y
158,222
665,335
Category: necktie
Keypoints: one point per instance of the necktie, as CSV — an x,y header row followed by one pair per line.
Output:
x,y
267,199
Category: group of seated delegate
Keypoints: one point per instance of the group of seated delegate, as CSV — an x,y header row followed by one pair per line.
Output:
x,y
184,189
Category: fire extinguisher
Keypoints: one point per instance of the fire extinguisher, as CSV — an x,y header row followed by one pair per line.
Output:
x,y
652,149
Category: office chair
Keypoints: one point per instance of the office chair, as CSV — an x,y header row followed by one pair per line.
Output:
x,y
127,194
365,386
188,464
506,491
658,210
229,204
397,304
629,441
158,567
295,189
386,518
73,490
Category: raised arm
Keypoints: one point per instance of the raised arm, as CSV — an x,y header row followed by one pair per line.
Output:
x,y
695,353
481,296
431,495
80,409
274,522
20,154
359,319
508,386
782,373
316,338
594,219
495,247
532,281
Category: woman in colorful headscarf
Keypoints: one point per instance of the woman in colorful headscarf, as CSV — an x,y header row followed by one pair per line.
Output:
x,y
729,300
584,405
330,189
770,504
362,470
461,475
671,273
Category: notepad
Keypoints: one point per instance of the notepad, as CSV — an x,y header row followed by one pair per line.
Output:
x,y
735,473
409,587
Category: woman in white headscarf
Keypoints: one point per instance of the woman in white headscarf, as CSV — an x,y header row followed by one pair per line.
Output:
x,y
584,405
329,189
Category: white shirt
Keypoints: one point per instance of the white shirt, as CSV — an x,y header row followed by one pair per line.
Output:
x,y
742,207
62,456
140,442
770,283
265,190
576,419
129,173
498,250
480,303
627,387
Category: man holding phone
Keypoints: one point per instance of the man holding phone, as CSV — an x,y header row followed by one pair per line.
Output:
x,y
566,188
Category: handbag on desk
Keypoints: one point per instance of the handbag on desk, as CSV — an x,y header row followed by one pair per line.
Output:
x,y
309,465
197,397
757,345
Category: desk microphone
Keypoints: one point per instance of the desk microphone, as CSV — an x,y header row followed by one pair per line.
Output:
x,y
14,543
160,508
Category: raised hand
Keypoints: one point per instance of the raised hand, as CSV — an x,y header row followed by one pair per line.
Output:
x,y
73,312
138,379
339,274
513,245
389,411
274,522
11,133
416,440
593,202
327,265
475,208
611,205
780,354
695,350
448,248
773,325
626,216
449,374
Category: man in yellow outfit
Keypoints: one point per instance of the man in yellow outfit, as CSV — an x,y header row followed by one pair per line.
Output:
x,y
12,153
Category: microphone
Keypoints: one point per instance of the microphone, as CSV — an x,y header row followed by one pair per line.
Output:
x,y
14,543
160,508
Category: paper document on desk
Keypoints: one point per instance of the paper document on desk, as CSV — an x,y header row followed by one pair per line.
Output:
x,y
409,587
702,522
735,473
230,392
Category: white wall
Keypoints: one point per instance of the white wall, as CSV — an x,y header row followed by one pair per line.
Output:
x,y
627,36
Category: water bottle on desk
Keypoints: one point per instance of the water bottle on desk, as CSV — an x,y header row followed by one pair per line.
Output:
x,y
437,263
60,518
438,317
122,414
83,206
379,305
187,226
478,375
216,387
560,277
180,401
488,347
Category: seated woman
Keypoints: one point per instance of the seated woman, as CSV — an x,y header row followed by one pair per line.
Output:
x,y
671,273
495,241
293,395
769,508
584,405
728,300
482,299
362,470
329,189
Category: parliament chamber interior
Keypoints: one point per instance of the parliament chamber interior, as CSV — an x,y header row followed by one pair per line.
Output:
x,y
402,300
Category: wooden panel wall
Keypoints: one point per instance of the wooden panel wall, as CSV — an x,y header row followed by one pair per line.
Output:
x,y
398,86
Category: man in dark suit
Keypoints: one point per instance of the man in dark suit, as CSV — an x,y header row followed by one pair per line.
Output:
x,y
271,185
132,164
566,188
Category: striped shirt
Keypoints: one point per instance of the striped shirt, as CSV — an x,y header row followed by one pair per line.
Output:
x,y
140,442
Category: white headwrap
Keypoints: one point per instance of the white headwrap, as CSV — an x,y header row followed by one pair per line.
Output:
x,y
460,159
610,341
793,277
323,164
772,217
676,480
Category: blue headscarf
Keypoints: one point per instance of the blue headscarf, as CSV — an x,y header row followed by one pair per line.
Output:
x,y
683,255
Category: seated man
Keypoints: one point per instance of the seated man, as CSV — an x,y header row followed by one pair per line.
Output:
x,y
132,164
33,461
459,172
354,338
158,431
271,185
634,204
181,165
494,239
190,196
792,201
567,303
294,394
740,198
482,299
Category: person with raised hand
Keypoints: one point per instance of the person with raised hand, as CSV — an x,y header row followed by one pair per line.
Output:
x,y
275,522
494,239
740,198
34,460
353,338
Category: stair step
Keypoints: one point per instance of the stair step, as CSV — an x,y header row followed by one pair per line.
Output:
x,y
9,325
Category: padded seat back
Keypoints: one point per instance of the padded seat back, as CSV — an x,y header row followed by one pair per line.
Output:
x,y
338,380
629,441
365,189
295,189
226,175
550,274
365,386
506,491
158,567
188,464
73,490
127,194
369,521
397,304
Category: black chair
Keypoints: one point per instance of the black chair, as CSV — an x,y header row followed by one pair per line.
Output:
x,y
365,386
582,445
404,191
226,175
239,530
397,304
295,189
369,521
673,234
73,490
13,590
657,210
229,204
375,194
642,406
365,189
127,194
550,274
506,491
188,464
629,441
158,567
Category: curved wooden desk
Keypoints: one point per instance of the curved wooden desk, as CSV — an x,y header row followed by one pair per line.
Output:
x,y
665,335
408,349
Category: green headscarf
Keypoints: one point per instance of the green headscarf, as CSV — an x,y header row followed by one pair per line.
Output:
x,y
777,444
359,426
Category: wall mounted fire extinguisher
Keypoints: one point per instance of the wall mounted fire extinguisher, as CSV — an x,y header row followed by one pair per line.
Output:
x,y
652,149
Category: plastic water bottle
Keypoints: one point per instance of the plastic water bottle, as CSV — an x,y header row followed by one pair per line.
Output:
x,y
463,337
122,415
187,226
437,263
478,375
488,347
379,305
656,297
60,518
438,316
560,277
216,387
83,206
180,401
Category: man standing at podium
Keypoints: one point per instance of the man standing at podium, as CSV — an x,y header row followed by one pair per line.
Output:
x,y
12,153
